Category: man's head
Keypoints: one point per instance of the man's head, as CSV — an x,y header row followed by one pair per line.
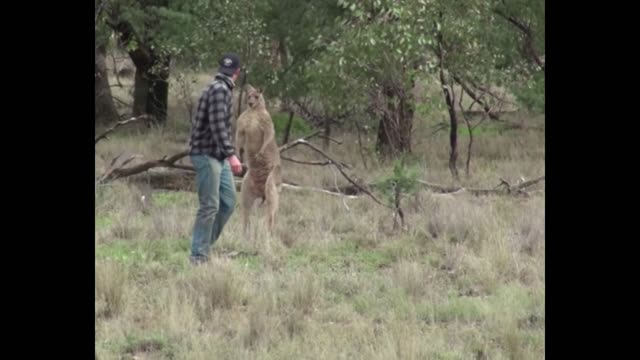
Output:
x,y
230,65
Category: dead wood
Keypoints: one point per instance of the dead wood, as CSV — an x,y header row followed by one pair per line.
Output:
x,y
506,188
339,166
119,124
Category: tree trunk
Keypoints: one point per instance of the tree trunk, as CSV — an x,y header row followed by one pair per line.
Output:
x,y
382,143
151,87
449,97
396,121
406,124
284,62
140,92
364,159
453,140
158,97
327,134
287,130
105,109
157,102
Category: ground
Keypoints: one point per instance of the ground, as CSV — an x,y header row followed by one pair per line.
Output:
x,y
465,280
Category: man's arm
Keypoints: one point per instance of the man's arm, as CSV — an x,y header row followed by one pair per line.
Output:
x,y
217,109
240,138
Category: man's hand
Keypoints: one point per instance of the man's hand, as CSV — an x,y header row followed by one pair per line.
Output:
x,y
236,166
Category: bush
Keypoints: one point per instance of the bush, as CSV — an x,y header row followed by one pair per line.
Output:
x,y
298,125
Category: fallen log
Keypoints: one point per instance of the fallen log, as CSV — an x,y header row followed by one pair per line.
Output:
x,y
118,170
167,162
182,180
507,188
324,191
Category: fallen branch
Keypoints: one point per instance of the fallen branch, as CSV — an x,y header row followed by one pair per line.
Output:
x,y
439,188
338,166
118,124
330,138
320,163
295,143
121,171
185,181
181,167
508,189
301,188
529,183
117,172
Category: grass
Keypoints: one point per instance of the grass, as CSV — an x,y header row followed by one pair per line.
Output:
x,y
464,281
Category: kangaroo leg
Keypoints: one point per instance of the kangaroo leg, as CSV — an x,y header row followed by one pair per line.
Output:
x,y
247,201
272,198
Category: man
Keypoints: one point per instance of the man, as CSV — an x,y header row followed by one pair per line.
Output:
x,y
213,157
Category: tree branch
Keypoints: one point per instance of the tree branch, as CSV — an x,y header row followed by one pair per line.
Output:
x,y
99,8
320,163
121,171
528,36
340,169
117,125
296,142
470,130
120,100
475,97
518,189
330,138
324,191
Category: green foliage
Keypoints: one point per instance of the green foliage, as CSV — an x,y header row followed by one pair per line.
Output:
x,y
290,26
298,125
193,31
403,179
532,93
148,343
339,52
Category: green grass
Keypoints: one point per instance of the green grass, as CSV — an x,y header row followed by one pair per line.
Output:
x,y
154,344
103,222
170,253
172,198
343,256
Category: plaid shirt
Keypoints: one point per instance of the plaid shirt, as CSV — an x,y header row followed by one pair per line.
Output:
x,y
211,125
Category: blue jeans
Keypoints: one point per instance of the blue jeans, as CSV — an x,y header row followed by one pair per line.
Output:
x,y
217,198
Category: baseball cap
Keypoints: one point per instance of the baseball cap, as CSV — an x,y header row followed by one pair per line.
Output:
x,y
229,63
